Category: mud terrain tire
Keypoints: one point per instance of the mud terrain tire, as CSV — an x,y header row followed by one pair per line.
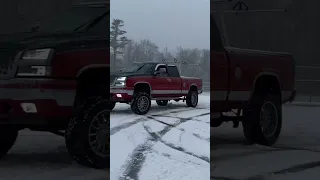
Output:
x,y
112,105
266,110
87,141
162,102
8,137
141,103
192,98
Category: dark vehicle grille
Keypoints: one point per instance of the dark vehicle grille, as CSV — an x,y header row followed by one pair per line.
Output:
x,y
6,60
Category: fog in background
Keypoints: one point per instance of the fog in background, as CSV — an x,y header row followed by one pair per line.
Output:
x,y
161,31
166,22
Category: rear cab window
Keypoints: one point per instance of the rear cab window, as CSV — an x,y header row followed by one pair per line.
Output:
x,y
173,71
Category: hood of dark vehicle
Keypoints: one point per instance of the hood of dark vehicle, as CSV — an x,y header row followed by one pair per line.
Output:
x,y
128,74
53,40
42,40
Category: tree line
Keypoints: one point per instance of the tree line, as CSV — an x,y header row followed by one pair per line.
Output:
x,y
125,51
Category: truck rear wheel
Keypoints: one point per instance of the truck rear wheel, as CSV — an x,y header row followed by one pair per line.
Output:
x,y
162,102
87,135
8,137
192,98
262,123
141,103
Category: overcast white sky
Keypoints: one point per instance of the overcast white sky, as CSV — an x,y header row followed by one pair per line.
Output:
x,y
165,22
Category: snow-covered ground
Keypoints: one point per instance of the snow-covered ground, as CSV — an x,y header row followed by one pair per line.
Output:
x,y
171,142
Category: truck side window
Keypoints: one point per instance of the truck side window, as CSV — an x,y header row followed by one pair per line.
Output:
x,y
215,38
173,71
163,70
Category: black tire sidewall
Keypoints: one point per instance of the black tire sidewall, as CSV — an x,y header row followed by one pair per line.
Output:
x,y
189,101
8,137
134,105
77,137
162,102
251,124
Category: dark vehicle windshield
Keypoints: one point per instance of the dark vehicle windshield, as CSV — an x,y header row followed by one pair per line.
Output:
x,y
77,19
140,68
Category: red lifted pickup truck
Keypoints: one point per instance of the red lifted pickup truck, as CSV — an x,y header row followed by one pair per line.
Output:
x,y
56,80
142,83
254,83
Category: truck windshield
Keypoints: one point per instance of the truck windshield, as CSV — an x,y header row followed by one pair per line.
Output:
x,y
141,68
74,20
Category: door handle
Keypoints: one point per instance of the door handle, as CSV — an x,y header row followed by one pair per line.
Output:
x,y
168,79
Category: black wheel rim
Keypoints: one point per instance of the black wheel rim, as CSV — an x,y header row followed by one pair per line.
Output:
x,y
269,119
194,99
143,103
99,138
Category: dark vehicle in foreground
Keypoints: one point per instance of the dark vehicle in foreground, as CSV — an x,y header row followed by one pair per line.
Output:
x,y
57,80
142,83
253,83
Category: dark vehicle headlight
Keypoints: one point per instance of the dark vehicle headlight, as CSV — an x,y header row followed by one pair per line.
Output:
x,y
35,61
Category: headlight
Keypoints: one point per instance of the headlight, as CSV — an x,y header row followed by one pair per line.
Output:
x,y
35,58
120,81
37,54
34,71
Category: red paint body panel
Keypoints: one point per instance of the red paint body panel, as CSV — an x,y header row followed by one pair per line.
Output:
x,y
252,64
68,64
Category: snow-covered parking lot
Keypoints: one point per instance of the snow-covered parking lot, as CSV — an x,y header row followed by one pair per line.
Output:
x,y
171,142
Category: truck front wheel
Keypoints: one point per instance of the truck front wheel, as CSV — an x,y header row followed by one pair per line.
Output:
x,y
87,135
262,123
141,103
8,137
112,105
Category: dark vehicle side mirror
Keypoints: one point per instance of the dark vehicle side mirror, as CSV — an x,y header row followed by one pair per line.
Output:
x,y
157,73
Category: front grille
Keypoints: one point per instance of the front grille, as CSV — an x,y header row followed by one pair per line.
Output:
x,y
6,60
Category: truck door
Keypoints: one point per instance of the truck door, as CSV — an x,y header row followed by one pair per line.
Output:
x,y
161,82
219,69
175,80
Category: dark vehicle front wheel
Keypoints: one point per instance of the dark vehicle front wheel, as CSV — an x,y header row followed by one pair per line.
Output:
x,y
192,98
87,135
112,105
262,123
8,137
162,102
141,103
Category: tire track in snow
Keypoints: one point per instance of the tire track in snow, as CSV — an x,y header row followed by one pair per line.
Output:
x,y
118,128
133,167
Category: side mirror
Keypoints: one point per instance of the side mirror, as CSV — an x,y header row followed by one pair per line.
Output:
x,y
156,73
